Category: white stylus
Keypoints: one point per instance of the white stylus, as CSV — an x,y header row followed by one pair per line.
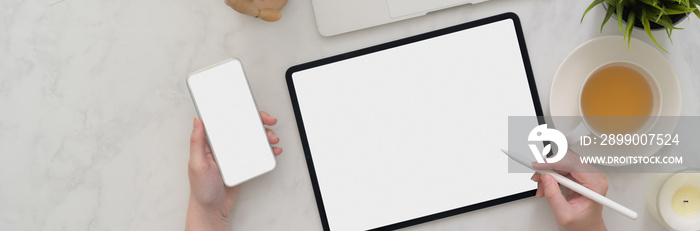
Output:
x,y
579,188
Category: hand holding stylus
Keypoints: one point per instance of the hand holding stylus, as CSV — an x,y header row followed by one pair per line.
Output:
x,y
572,210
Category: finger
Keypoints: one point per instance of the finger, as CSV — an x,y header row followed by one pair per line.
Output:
x,y
277,150
550,166
536,178
271,136
571,163
267,118
198,140
564,164
198,145
560,206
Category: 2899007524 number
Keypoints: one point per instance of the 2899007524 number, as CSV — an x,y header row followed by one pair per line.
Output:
x,y
640,139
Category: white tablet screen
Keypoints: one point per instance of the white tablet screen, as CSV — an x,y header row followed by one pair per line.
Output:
x,y
417,129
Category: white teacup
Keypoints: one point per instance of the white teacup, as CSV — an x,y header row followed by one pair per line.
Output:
x,y
587,128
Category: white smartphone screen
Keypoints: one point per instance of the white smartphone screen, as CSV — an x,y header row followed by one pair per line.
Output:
x,y
237,137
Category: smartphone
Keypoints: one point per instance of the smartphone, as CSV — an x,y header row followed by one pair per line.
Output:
x,y
237,137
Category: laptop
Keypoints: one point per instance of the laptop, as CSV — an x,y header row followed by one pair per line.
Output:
x,y
340,16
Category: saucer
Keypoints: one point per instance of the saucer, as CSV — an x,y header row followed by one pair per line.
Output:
x,y
569,78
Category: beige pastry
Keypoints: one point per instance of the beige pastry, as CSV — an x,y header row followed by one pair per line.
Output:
x,y
268,10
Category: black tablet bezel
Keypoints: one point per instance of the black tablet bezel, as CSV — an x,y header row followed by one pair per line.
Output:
x,y
401,42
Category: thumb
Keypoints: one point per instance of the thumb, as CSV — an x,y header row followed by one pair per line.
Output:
x,y
553,194
198,141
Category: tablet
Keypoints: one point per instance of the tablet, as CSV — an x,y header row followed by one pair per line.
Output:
x,y
411,130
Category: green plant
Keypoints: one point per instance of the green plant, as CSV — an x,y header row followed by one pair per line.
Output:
x,y
645,12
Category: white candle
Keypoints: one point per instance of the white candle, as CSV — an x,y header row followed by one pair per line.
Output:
x,y
677,200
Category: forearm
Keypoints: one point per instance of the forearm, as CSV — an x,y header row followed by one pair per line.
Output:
x,y
201,219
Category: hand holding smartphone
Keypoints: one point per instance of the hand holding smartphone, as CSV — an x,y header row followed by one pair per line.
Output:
x,y
225,103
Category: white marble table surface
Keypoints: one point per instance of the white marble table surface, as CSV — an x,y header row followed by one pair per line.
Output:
x,y
95,116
